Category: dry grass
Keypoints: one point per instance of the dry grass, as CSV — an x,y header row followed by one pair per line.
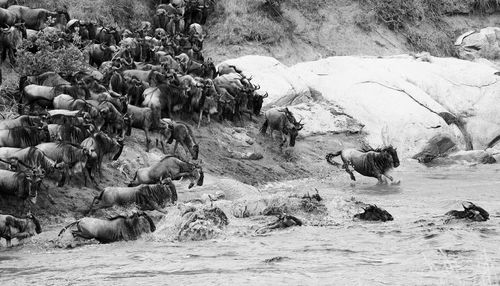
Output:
x,y
240,21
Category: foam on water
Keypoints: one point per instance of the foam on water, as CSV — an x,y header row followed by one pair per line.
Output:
x,y
420,247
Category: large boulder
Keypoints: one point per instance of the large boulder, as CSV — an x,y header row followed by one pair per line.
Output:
x,y
483,43
401,100
438,146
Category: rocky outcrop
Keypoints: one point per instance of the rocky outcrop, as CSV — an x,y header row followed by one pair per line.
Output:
x,y
401,100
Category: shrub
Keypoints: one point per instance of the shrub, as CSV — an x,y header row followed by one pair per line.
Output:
x,y
53,54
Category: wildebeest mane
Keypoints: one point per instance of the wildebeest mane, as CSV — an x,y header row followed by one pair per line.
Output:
x,y
25,136
68,151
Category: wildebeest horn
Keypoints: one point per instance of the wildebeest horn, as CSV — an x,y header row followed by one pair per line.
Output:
x,y
465,208
265,95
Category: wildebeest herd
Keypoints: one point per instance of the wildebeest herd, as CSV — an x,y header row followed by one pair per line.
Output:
x,y
140,79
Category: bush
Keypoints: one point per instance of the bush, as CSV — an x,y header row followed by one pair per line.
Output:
x,y
241,21
53,54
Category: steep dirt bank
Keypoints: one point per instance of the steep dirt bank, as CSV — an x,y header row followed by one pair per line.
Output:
x,y
310,30
220,146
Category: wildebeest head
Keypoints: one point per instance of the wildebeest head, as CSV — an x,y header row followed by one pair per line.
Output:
x,y
34,180
197,176
374,213
149,221
258,100
472,212
33,225
393,152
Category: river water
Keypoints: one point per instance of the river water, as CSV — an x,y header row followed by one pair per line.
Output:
x,y
417,248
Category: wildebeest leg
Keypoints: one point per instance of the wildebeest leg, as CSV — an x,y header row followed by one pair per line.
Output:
x,y
8,242
201,117
346,168
148,141
381,179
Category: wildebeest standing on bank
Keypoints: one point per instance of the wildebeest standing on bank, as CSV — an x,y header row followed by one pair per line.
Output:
x,y
278,120
37,18
113,229
169,167
183,135
34,158
369,162
23,136
10,39
97,146
146,197
74,156
13,227
23,185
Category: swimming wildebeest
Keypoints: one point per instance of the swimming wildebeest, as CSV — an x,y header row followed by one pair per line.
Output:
x,y
280,120
20,228
112,229
169,167
283,221
472,212
369,162
374,213
146,197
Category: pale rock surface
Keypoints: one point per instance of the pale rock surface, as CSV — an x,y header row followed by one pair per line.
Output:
x,y
397,99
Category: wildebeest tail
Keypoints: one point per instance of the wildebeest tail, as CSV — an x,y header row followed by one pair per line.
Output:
x,y
68,226
329,158
493,142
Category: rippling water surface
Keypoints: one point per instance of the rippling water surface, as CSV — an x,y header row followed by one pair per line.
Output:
x,y
417,248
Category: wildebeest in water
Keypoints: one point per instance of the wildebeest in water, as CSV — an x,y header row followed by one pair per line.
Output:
x,y
368,162
112,229
20,228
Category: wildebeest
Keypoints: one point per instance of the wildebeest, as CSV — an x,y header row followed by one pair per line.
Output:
x,y
183,135
23,185
10,39
22,120
107,35
282,221
7,18
7,3
112,229
368,162
45,79
32,157
97,146
68,132
135,89
142,118
99,53
23,136
146,197
74,156
164,100
37,18
169,167
278,120
20,228
471,212
374,213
